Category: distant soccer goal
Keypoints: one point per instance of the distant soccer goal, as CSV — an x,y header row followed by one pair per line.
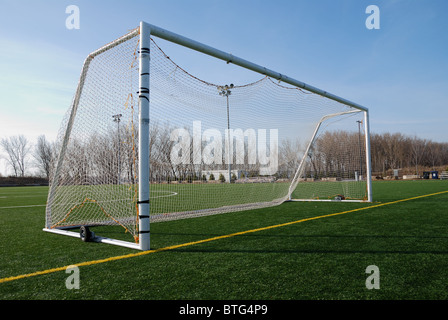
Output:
x,y
145,141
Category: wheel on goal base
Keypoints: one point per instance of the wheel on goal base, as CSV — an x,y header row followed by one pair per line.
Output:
x,y
85,234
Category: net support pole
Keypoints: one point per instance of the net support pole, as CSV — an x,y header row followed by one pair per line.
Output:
x,y
143,160
307,150
368,156
302,162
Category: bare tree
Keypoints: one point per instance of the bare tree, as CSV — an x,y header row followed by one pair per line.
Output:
x,y
418,147
17,149
43,154
290,155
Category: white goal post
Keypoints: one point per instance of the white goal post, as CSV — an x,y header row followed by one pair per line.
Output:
x,y
132,148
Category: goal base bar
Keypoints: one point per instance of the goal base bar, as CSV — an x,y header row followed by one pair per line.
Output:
x,y
327,200
120,243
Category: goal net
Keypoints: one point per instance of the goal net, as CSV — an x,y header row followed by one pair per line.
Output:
x,y
210,147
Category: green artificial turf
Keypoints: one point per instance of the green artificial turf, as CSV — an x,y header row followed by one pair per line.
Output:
x,y
324,258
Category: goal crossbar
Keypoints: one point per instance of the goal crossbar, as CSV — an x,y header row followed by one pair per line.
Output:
x,y
230,58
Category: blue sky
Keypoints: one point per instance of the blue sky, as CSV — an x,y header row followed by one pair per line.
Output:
x,y
399,72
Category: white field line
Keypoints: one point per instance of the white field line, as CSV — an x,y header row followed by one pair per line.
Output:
x,y
30,196
43,205
30,206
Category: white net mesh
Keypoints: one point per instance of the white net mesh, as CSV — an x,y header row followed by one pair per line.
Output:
x,y
194,170
94,177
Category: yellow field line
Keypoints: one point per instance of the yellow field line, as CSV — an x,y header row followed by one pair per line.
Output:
x,y
142,253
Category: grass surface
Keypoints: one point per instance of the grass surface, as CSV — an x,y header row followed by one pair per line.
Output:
x,y
324,258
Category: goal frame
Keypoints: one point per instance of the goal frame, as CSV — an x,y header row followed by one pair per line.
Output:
x,y
145,31
230,58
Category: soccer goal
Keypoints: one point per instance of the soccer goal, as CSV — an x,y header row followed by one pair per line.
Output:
x,y
145,140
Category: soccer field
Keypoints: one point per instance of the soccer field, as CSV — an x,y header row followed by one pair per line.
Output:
x,y
297,250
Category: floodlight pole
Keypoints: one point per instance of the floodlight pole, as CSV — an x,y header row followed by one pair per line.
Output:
x,y
225,91
117,119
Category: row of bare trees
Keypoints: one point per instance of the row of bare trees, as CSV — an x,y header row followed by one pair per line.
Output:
x,y
399,151
111,157
21,155
333,152
342,154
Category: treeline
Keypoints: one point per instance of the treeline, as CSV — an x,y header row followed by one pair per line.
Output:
x,y
332,153
26,159
409,153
